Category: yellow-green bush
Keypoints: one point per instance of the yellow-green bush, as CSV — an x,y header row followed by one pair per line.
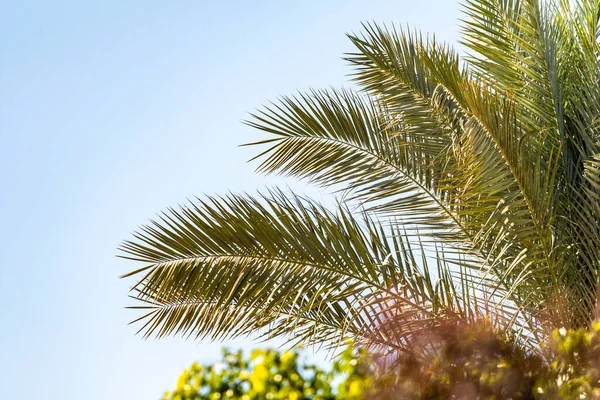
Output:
x,y
270,375
574,370
458,362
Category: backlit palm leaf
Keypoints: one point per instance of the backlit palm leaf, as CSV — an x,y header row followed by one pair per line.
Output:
x,y
227,266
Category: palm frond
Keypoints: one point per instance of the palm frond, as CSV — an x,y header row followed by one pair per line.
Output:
x,y
338,138
235,265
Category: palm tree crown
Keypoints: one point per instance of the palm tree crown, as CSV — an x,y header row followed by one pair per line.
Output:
x,y
471,189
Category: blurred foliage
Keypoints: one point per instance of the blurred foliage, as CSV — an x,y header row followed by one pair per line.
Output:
x,y
471,362
268,374
457,362
574,372
474,362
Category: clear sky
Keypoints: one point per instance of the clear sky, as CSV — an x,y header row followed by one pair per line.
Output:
x,y
111,111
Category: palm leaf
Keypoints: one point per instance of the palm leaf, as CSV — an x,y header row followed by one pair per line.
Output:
x,y
235,265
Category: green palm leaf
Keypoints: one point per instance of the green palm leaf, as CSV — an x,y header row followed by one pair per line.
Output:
x,y
231,266
340,137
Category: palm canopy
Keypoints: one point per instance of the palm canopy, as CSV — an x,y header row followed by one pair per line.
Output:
x,y
471,190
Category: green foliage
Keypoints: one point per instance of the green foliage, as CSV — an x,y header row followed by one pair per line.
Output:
x,y
461,362
270,375
574,372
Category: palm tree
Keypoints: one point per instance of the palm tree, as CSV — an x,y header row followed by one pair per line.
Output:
x,y
469,188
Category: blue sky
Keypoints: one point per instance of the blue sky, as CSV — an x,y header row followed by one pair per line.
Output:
x,y
111,111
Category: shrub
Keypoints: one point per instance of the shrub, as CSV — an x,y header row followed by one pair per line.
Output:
x,y
475,362
269,374
456,362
